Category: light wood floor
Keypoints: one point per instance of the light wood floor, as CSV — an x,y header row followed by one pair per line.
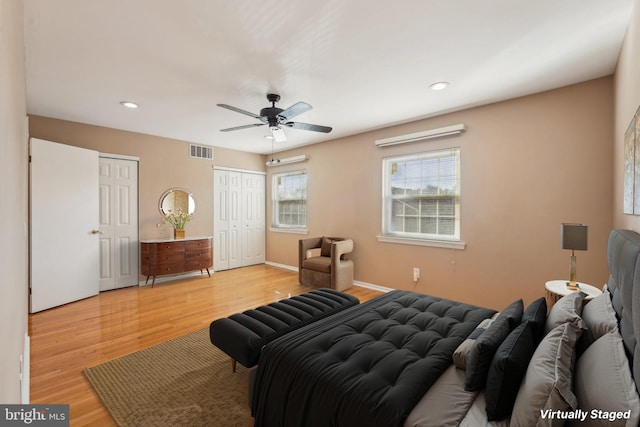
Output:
x,y
65,340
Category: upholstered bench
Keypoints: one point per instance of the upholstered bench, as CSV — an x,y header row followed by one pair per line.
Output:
x,y
243,335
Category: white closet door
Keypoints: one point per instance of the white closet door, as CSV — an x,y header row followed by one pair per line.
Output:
x,y
235,220
64,224
118,223
239,220
220,220
253,221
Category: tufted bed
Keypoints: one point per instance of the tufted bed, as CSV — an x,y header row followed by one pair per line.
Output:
x,y
407,359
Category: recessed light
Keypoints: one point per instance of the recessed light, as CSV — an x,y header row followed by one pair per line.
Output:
x,y
129,104
439,85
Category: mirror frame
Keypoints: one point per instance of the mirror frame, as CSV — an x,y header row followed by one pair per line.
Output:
x,y
171,190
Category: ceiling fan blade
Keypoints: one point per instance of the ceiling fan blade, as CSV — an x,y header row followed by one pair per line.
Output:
x,y
307,126
295,109
278,134
242,127
238,110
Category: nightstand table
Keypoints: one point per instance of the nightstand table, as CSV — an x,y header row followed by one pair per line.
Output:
x,y
556,289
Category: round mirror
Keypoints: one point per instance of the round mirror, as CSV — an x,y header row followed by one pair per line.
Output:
x,y
176,199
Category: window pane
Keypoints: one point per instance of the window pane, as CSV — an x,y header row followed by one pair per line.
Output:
x,y
428,225
446,226
290,199
423,194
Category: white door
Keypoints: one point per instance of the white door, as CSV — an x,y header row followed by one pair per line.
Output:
x,y
118,223
238,219
64,224
235,220
253,221
220,220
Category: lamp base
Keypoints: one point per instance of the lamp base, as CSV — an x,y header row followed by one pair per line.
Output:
x,y
573,286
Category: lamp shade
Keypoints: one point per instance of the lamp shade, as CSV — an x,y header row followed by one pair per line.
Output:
x,y
574,236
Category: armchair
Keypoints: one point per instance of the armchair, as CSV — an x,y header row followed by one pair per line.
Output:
x,y
323,262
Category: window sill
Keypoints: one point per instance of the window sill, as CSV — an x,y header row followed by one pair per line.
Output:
x,y
289,230
423,242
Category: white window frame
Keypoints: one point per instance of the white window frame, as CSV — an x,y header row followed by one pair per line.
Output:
x,y
391,235
276,206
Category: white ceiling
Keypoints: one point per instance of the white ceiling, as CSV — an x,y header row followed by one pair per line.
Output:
x,y
362,64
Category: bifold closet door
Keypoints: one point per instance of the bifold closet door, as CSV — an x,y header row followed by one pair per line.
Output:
x,y
253,219
239,220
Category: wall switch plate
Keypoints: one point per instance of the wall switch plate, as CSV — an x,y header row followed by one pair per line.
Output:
x,y
416,274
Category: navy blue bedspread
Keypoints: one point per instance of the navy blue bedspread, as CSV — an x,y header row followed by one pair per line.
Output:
x,y
366,366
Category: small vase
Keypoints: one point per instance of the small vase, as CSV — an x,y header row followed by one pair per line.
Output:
x,y
178,233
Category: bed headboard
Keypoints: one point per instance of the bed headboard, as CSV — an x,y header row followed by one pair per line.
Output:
x,y
623,257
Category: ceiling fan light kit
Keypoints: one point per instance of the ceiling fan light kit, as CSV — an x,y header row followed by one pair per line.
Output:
x,y
277,117
419,136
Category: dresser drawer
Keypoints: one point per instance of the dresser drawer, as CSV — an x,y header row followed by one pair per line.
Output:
x,y
198,264
166,257
169,247
171,268
194,245
198,253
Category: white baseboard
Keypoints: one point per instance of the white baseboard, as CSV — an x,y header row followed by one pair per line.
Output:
x,y
372,286
355,282
286,267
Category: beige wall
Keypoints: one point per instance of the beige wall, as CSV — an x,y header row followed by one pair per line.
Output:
x,y
164,163
627,101
13,199
527,165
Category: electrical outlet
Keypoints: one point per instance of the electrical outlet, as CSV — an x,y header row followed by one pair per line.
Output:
x,y
416,274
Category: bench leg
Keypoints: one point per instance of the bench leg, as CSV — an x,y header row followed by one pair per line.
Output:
x,y
233,365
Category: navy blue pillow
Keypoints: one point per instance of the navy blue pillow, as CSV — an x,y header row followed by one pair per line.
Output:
x,y
486,345
537,313
508,368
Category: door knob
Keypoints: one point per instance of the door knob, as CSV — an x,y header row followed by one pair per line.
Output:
x,y
94,231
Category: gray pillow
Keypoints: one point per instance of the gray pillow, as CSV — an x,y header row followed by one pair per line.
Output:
x,y
462,352
566,309
599,318
547,382
603,381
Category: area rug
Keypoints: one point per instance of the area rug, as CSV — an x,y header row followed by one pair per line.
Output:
x,y
182,382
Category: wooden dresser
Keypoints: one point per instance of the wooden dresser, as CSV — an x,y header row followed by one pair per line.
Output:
x,y
172,256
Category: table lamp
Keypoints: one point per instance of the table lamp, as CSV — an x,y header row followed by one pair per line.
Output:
x,y
574,237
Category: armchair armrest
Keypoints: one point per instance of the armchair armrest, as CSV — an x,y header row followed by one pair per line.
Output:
x,y
307,244
340,248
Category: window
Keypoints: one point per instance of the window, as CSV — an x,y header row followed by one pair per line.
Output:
x,y
422,196
290,200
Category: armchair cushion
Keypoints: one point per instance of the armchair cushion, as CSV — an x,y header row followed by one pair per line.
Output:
x,y
318,263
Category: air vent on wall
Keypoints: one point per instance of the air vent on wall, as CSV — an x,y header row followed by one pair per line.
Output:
x,y
201,152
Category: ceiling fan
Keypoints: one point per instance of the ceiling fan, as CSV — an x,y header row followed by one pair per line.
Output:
x,y
277,117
